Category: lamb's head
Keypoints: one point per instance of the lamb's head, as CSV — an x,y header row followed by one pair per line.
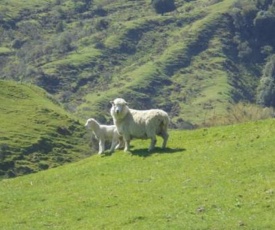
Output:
x,y
119,108
90,123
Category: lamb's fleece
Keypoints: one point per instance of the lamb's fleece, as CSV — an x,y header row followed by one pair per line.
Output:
x,y
104,133
142,124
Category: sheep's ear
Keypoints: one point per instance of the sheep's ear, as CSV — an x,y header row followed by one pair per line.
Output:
x,y
112,102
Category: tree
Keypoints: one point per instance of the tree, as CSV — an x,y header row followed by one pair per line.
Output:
x,y
264,25
82,5
163,6
266,88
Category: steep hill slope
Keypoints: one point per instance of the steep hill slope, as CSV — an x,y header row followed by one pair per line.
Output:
x,y
217,178
192,62
35,132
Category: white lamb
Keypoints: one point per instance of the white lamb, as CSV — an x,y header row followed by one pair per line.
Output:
x,y
141,124
104,133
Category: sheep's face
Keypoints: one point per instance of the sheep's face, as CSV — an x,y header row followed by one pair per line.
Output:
x,y
118,107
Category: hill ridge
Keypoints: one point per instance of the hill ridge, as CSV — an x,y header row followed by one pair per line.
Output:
x,y
86,54
37,133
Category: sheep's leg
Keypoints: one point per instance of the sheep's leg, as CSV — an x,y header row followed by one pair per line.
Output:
x,y
101,146
118,146
165,137
127,144
120,143
153,143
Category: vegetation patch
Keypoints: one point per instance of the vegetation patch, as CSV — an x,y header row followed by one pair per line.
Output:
x,y
201,55
5,51
35,129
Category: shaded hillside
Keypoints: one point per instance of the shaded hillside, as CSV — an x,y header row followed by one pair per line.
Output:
x,y
216,178
192,62
35,132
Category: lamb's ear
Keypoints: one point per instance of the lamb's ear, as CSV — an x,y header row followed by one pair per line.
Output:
x,y
112,102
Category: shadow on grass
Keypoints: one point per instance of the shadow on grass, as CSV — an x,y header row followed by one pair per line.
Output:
x,y
144,152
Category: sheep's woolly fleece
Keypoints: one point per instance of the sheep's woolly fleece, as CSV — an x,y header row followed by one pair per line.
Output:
x,y
142,124
104,133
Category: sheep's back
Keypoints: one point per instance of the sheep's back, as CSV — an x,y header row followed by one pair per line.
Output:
x,y
148,116
146,121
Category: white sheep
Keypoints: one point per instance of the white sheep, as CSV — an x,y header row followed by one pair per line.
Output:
x,y
141,124
104,133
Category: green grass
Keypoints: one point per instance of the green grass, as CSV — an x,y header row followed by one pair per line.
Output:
x,y
34,128
217,178
76,59
5,51
11,8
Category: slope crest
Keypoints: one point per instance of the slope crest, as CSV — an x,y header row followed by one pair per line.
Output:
x,y
36,133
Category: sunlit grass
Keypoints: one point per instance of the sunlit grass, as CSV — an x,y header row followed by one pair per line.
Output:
x,y
207,179
34,127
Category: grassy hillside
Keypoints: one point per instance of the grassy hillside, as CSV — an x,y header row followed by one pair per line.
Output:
x,y
35,132
192,62
216,178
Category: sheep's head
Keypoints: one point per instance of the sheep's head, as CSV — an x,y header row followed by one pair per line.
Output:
x,y
118,107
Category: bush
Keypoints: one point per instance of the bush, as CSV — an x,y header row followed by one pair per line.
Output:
x,y
264,25
163,6
101,24
43,165
266,88
244,51
81,6
263,4
64,42
17,43
240,113
59,27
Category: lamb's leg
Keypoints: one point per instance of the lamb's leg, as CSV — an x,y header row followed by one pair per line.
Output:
x,y
153,143
101,146
114,142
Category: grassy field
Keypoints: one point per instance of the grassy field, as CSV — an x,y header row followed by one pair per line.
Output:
x,y
35,131
216,178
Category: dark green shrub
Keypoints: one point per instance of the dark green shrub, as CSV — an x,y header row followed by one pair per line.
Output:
x,y
43,165
244,51
266,88
101,24
17,43
59,27
81,6
264,25
163,6
64,42
263,4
